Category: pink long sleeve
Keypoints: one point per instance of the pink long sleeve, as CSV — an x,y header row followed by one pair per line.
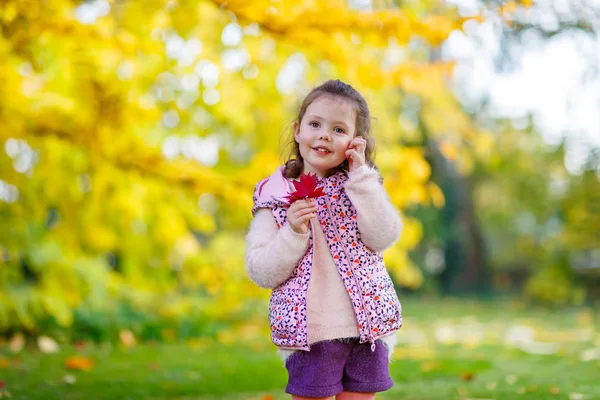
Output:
x,y
378,221
271,253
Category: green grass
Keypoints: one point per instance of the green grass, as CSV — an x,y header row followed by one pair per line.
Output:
x,y
449,350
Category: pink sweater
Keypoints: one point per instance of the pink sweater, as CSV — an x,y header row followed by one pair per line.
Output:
x,y
272,255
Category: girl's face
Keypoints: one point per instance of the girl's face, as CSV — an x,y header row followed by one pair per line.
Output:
x,y
325,133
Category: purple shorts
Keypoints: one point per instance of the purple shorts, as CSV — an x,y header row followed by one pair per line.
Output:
x,y
331,367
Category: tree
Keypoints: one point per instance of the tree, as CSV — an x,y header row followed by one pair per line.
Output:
x,y
134,133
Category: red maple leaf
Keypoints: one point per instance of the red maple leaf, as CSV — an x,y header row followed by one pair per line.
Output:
x,y
306,188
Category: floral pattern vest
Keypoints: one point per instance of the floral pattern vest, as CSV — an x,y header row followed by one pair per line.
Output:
x,y
371,291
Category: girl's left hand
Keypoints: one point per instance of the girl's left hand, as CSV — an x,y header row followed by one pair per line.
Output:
x,y
356,153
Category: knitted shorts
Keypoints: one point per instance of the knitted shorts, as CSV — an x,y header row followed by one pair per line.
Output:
x,y
331,367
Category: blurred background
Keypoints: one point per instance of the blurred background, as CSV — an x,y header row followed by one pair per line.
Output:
x,y
132,134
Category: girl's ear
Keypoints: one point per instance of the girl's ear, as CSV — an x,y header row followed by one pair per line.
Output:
x,y
296,130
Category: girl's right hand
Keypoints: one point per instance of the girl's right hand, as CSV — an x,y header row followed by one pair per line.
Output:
x,y
300,213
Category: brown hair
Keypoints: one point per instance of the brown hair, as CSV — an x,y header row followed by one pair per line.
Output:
x,y
335,88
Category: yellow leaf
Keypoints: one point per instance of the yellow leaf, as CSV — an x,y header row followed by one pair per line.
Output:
x,y
449,150
428,366
437,197
467,376
79,363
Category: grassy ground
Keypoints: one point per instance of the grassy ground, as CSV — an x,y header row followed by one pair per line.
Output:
x,y
448,350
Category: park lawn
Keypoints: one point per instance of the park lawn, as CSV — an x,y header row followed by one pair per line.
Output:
x,y
447,350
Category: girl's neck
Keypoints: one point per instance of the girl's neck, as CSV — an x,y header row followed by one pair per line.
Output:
x,y
326,175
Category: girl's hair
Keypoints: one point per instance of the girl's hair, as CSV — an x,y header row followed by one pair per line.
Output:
x,y
334,88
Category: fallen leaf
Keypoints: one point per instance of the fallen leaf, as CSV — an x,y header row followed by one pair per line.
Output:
x,y
47,345
554,390
127,338
17,342
576,396
2,384
429,366
4,363
69,379
79,363
491,385
79,345
467,376
511,379
268,397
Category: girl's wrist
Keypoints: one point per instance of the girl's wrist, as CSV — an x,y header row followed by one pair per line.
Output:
x,y
295,233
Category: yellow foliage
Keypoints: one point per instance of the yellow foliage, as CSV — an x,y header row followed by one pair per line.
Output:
x,y
404,272
449,151
307,15
117,117
437,196
412,232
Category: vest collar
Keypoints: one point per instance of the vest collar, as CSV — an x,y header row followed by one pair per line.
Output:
x,y
276,186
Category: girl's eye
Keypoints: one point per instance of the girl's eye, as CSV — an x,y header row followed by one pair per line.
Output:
x,y
339,130
314,124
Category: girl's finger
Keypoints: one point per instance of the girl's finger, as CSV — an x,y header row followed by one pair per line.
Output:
x,y
306,211
302,220
306,217
300,212
301,204
358,141
360,146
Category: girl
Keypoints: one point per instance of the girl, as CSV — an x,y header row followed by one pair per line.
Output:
x,y
333,310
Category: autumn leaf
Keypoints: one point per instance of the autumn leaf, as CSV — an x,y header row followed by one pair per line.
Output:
x,y
17,342
306,188
127,338
429,366
79,363
467,376
4,363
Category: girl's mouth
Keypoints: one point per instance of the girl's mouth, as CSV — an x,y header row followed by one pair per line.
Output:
x,y
321,150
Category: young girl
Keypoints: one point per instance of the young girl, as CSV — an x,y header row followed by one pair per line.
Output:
x,y
333,310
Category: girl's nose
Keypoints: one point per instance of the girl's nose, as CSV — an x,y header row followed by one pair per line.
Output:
x,y
324,136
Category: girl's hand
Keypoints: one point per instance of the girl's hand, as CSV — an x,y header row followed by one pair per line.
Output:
x,y
300,213
356,153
